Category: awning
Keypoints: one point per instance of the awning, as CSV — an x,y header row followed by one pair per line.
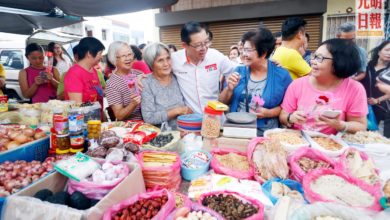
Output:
x,y
48,14
88,8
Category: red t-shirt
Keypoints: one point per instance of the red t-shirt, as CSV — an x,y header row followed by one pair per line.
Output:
x,y
79,80
141,66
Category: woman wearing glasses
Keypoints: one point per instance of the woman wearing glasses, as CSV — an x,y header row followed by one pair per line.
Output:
x,y
258,87
328,87
122,93
162,100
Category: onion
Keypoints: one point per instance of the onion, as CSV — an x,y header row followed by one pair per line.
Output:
x,y
21,139
39,135
28,132
12,144
13,134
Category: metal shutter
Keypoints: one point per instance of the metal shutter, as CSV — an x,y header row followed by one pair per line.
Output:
x,y
229,33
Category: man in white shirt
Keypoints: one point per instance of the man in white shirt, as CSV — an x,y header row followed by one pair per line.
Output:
x,y
198,68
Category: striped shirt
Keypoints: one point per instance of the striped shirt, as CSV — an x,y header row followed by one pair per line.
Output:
x,y
118,93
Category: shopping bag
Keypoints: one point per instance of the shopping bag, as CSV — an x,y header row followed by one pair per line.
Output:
x,y
372,124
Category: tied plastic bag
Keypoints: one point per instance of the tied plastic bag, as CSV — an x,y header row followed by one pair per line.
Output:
x,y
338,190
194,207
95,190
217,166
162,214
291,184
297,173
77,167
260,207
309,212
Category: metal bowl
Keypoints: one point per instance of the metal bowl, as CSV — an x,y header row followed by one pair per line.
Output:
x,y
241,117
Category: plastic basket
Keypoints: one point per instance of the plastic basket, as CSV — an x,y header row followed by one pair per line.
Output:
x,y
191,174
36,150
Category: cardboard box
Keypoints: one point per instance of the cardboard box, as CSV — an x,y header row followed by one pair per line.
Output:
x,y
225,142
19,206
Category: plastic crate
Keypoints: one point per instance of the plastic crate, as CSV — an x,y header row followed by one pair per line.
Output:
x,y
36,150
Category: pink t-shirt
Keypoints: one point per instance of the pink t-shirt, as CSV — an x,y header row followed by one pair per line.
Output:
x,y
79,80
349,97
141,66
45,91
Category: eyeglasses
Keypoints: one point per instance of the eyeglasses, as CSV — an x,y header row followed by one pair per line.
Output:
x,y
123,57
248,50
201,45
319,58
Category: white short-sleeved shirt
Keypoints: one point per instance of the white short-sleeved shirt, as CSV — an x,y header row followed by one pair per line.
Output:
x,y
200,83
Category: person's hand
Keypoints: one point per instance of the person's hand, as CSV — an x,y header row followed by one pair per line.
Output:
x,y
139,81
39,81
260,112
232,81
372,101
49,76
335,123
183,110
2,82
135,99
383,87
298,117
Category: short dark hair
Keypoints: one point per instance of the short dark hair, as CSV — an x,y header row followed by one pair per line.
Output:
x,y
91,45
137,52
291,26
277,34
248,36
141,46
308,37
235,48
33,47
264,42
74,50
346,59
171,46
191,28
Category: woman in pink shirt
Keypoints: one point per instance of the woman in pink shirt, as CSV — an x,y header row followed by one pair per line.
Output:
x,y
328,87
81,82
34,81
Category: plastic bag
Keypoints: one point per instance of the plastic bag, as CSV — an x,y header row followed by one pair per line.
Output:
x,y
258,216
219,168
162,214
343,165
312,176
77,167
24,207
171,146
196,207
372,123
161,175
293,185
309,212
94,190
296,171
272,159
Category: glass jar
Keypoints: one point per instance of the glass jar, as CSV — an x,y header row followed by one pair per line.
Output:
x,y
63,144
93,128
53,141
211,124
61,124
76,142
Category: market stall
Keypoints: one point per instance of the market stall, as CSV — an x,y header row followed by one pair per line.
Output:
x,y
65,163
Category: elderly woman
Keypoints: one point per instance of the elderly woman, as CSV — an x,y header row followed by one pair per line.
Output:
x,y
259,86
122,93
81,82
328,85
162,100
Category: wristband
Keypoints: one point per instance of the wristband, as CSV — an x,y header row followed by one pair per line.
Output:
x,y
289,124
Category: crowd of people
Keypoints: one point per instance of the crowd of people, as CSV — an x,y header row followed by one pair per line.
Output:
x,y
157,83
